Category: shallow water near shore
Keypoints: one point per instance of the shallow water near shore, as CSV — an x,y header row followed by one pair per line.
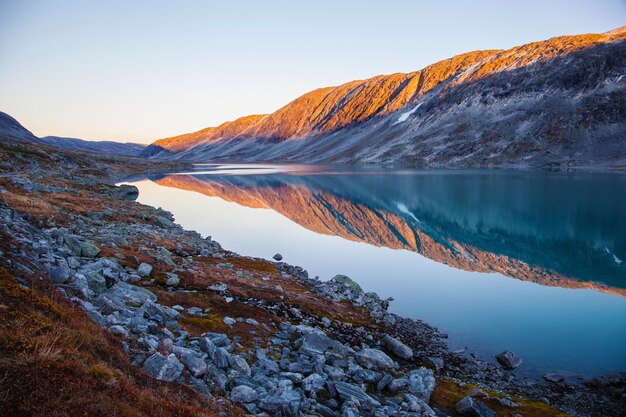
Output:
x,y
532,262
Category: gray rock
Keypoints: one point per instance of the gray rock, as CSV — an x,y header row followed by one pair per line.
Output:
x,y
286,404
144,269
421,383
508,360
553,377
97,283
397,348
191,360
221,358
242,394
219,287
200,386
88,250
119,331
229,321
164,368
278,257
435,362
469,407
417,405
347,391
59,274
313,382
219,339
374,359
172,279
318,343
239,364
383,382
126,192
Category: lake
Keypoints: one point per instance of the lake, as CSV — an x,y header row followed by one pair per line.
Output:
x,y
527,261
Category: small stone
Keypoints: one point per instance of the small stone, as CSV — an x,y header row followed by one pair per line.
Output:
x,y
508,360
278,257
553,377
144,269
229,321
172,280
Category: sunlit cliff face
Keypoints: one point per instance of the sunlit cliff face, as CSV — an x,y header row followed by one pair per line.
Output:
x,y
475,222
329,109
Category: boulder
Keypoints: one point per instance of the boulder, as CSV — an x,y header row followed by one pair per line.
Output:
x,y
239,364
119,331
316,342
348,391
97,283
278,257
164,368
313,382
243,394
421,383
59,274
88,250
397,348
508,360
374,359
469,407
191,360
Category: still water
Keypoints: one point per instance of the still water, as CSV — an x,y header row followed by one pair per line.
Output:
x,y
533,262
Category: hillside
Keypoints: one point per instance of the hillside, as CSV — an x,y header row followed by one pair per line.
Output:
x,y
104,146
559,101
11,129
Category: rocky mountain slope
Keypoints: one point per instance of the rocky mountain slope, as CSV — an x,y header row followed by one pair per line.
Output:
x,y
559,101
11,129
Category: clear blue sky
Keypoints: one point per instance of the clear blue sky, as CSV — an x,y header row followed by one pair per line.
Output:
x,y
138,70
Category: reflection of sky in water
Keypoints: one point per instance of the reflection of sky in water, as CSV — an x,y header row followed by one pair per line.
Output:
x,y
571,331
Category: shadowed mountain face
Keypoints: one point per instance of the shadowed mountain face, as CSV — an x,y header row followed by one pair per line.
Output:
x,y
553,229
555,102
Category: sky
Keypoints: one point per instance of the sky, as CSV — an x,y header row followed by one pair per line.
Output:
x,y
142,70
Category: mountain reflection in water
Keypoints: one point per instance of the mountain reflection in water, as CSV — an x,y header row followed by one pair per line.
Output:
x,y
566,230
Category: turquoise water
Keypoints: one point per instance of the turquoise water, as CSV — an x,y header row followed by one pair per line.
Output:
x,y
532,262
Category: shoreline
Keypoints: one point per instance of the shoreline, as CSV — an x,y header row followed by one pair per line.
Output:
x,y
93,241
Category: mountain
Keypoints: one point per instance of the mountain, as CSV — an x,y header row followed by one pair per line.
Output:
x,y
108,147
11,129
556,102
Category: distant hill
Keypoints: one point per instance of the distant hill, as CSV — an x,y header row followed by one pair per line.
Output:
x,y
11,129
109,147
560,102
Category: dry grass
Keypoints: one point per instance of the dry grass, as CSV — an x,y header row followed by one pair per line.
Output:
x,y
55,361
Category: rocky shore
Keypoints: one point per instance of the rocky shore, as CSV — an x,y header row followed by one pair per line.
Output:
x,y
252,336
